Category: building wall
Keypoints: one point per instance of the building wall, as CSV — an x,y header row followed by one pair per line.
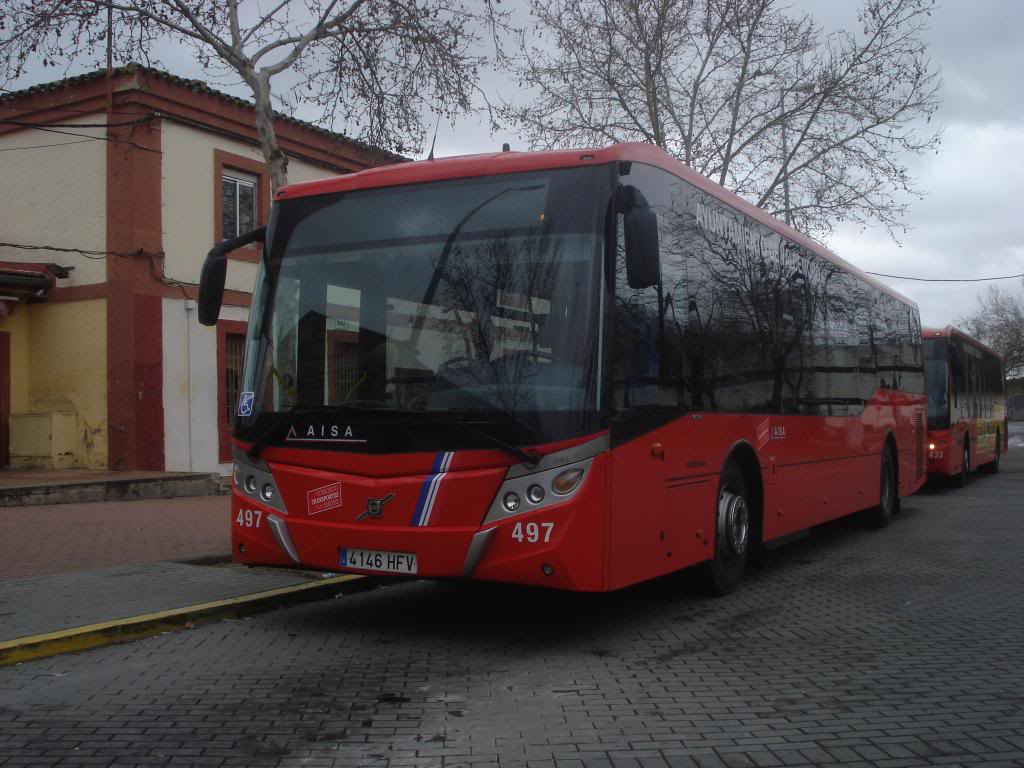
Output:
x,y
191,376
56,195
116,357
189,186
191,380
59,377
68,371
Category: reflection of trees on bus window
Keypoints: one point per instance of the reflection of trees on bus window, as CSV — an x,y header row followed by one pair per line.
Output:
x,y
746,320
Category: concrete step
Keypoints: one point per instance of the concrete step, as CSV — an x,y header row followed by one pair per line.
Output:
x,y
108,487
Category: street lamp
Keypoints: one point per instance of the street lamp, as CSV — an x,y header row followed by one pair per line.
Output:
x,y
798,88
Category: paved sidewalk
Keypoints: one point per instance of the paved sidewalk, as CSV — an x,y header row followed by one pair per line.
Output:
x,y
39,540
77,576
51,615
53,603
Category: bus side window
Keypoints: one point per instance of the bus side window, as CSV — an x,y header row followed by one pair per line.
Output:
x,y
647,362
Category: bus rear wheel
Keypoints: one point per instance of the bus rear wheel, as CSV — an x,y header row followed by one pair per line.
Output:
x,y
993,466
888,492
721,575
959,480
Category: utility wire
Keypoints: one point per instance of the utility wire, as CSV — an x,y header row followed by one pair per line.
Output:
x,y
89,254
99,255
47,146
947,279
97,138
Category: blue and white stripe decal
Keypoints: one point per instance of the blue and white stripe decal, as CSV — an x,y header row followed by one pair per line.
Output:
x,y
428,493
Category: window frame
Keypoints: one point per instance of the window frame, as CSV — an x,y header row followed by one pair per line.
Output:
x,y
223,164
224,430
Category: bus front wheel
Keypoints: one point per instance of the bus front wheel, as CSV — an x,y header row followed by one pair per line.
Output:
x,y
722,574
888,492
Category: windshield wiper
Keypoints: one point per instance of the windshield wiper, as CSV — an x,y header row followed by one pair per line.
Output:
x,y
529,458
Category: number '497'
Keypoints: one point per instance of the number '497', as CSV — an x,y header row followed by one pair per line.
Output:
x,y
249,518
532,532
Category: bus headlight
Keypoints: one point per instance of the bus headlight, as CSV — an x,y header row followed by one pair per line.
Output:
x,y
566,482
254,478
527,492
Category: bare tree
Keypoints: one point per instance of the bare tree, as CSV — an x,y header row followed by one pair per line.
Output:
x,y
810,127
998,321
374,66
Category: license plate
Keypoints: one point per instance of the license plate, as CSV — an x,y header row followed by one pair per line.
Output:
x,y
376,560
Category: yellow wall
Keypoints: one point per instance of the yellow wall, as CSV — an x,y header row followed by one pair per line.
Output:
x,y
17,326
59,365
55,193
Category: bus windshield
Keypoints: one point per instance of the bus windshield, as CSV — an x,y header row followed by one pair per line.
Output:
x,y
936,376
382,317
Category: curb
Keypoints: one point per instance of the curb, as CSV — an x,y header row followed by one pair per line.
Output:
x,y
33,647
171,486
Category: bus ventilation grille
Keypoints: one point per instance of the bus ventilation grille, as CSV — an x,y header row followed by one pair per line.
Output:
x,y
922,437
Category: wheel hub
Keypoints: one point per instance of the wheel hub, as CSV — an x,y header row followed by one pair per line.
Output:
x,y
733,523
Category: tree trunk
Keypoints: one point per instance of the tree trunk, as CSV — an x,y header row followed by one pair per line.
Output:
x,y
277,161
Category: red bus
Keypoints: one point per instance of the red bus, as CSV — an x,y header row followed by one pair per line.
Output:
x,y
576,369
967,414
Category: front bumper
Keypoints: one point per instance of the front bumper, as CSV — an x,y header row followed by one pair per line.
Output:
x,y
559,544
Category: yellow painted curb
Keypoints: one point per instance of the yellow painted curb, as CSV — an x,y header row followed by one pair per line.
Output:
x,y
135,627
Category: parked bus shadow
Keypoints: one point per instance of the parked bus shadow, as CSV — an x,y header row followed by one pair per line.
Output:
x,y
534,618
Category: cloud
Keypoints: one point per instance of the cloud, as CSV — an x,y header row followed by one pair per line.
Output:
x,y
967,226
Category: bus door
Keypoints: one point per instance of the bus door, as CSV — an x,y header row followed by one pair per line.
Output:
x,y
645,407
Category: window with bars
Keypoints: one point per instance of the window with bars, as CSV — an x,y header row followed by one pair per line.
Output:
x,y
238,197
234,350
346,370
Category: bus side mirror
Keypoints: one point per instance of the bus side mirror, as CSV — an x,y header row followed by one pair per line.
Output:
x,y
643,266
211,287
215,270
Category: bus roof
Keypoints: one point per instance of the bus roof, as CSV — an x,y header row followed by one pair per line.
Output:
x,y
951,330
465,166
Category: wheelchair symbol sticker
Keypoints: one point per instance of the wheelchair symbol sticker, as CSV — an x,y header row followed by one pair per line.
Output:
x,y
245,403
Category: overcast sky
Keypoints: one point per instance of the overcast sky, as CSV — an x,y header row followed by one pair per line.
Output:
x,y
970,223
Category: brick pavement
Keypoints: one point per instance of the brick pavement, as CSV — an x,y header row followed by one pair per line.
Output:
x,y
37,540
885,649
64,601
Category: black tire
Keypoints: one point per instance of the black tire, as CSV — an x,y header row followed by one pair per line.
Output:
x,y
888,492
721,575
960,479
992,467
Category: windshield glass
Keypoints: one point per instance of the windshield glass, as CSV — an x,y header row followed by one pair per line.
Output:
x,y
936,376
379,311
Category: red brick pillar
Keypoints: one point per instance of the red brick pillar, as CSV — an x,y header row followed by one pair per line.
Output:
x,y
135,412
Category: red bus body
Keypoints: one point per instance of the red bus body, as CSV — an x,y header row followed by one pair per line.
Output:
x,y
968,417
646,505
